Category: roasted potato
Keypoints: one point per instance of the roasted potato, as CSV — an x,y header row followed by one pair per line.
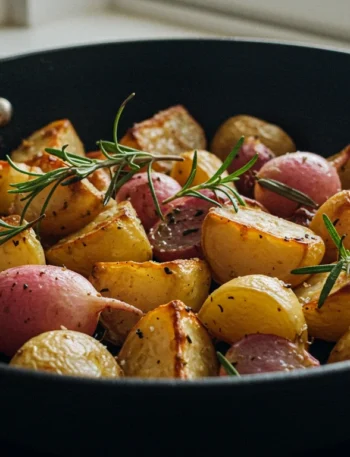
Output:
x,y
67,352
9,175
101,178
70,207
150,284
341,163
337,208
341,350
252,241
22,249
254,304
207,165
54,135
171,131
114,235
332,320
169,342
233,128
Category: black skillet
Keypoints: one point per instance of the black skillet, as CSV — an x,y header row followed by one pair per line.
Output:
x,y
304,90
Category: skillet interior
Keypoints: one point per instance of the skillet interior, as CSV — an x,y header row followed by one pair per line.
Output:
x,y
306,91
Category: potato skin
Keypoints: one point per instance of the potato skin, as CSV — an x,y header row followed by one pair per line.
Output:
x,y
254,242
169,342
337,208
150,284
171,131
67,352
253,304
70,207
54,135
233,128
341,162
332,320
114,235
341,350
207,166
23,249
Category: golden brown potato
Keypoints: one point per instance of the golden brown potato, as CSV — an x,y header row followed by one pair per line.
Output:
x,y
169,342
54,135
252,241
171,131
66,352
254,304
150,284
332,320
207,166
341,162
233,128
337,208
114,235
341,350
23,249
101,178
70,207
9,175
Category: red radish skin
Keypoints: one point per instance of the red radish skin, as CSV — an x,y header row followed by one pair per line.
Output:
x,y
307,172
35,299
137,191
250,148
260,353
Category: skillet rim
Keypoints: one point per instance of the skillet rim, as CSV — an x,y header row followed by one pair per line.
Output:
x,y
264,380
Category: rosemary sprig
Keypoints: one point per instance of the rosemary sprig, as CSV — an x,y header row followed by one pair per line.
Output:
x,y
122,161
286,191
217,183
228,367
334,269
10,231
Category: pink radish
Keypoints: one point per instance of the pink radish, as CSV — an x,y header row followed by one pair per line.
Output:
x,y
38,298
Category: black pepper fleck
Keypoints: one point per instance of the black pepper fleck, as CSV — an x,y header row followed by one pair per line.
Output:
x,y
221,308
139,333
168,271
25,286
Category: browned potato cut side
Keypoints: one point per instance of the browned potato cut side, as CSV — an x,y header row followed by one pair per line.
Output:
x,y
22,249
254,304
114,235
54,135
169,342
341,162
235,127
171,131
332,320
254,242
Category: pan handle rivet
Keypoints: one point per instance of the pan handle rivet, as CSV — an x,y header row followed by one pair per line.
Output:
x,y
5,111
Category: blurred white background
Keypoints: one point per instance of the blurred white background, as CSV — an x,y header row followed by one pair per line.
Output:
x,y
28,25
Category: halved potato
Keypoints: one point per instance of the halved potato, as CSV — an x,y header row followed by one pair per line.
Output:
x,y
254,304
169,342
114,235
171,131
233,128
23,249
101,178
67,352
150,284
54,135
341,350
332,320
70,207
337,208
207,166
254,242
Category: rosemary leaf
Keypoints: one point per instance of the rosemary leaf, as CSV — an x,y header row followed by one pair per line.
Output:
x,y
287,192
337,240
330,281
229,368
153,192
313,269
